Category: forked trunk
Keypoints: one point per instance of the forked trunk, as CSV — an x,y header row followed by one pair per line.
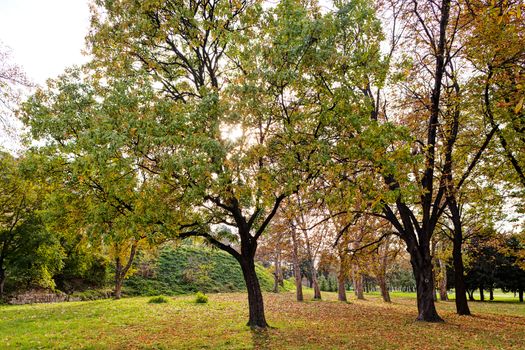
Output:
x,y
121,270
255,299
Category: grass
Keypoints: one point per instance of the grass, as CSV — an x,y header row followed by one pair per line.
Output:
x,y
132,323
188,269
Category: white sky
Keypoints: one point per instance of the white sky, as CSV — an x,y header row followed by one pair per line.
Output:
x,y
45,36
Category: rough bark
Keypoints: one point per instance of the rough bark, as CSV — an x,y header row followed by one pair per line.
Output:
x,y
425,291
255,300
296,267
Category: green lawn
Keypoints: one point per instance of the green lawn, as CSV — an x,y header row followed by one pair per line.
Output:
x,y
133,323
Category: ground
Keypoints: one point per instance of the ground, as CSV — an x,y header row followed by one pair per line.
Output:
x,y
133,323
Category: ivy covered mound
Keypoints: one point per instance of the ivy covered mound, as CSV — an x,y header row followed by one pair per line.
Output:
x,y
187,269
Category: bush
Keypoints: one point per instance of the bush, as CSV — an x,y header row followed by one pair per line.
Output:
x,y
158,300
201,298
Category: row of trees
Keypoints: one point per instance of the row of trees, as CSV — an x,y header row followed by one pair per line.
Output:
x,y
495,262
375,118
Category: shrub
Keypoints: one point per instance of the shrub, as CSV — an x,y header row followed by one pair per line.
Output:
x,y
201,298
158,300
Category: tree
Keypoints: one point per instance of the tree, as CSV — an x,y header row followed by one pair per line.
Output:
x,y
29,253
221,65
494,46
427,99
13,82
510,274
100,187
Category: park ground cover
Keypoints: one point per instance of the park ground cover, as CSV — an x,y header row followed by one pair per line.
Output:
x,y
133,323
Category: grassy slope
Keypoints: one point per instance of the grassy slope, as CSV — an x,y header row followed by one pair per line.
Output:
x,y
188,269
181,324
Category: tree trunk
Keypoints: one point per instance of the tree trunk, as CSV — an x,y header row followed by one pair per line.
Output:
x,y
384,288
255,299
520,293
422,267
118,279
341,291
277,272
443,281
118,287
481,294
471,295
491,293
2,281
311,263
341,278
435,289
383,264
296,268
358,283
457,257
315,282
122,270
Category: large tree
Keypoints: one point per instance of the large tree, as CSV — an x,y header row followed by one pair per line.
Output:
x,y
237,108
